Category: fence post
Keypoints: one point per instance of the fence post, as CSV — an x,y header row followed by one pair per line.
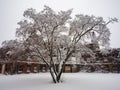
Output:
x,y
3,68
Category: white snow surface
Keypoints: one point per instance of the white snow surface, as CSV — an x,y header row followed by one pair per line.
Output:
x,y
71,81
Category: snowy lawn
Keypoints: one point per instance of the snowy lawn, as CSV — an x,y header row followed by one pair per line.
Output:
x,y
71,81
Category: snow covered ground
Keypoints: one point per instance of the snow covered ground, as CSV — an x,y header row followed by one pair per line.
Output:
x,y
71,81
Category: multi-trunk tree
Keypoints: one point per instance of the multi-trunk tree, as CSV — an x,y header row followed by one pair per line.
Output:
x,y
53,37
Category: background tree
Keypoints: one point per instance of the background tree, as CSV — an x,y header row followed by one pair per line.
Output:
x,y
53,37
13,50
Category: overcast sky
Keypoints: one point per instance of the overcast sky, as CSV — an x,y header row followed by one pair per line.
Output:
x,y
11,12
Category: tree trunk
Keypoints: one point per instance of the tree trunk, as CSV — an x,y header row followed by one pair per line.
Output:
x,y
59,76
56,76
52,75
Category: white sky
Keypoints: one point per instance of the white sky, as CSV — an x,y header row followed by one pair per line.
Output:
x,y
11,12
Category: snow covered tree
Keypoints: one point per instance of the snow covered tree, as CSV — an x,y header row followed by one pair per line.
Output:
x,y
14,50
8,46
53,37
